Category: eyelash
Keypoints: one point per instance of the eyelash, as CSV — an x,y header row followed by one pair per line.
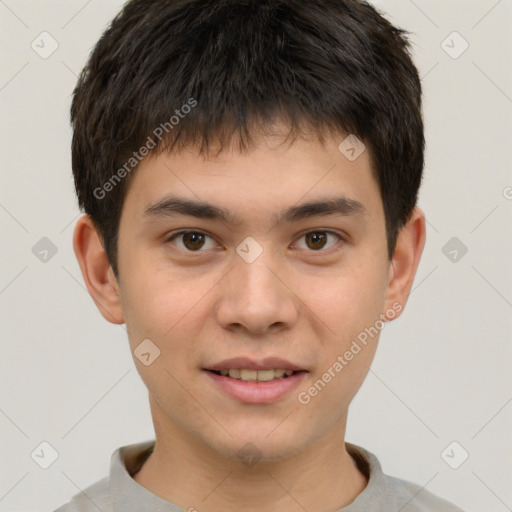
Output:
x,y
176,234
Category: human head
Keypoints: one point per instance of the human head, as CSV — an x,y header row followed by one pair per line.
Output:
x,y
201,309
209,73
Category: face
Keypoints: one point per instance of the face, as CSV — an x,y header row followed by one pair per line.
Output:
x,y
259,278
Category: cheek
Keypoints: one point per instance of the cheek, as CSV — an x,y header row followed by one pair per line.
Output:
x,y
157,309
344,303
158,305
348,346
351,306
169,311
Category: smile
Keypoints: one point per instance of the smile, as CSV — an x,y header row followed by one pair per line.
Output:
x,y
255,375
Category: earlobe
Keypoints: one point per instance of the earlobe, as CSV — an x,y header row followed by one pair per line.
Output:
x,y
405,261
96,270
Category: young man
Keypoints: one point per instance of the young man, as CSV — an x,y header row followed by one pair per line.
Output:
x,y
249,172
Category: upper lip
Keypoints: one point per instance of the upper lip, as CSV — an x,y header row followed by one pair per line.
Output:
x,y
268,363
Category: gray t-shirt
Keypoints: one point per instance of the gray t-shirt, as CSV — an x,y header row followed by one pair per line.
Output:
x,y
119,492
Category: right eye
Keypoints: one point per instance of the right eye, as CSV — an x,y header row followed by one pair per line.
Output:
x,y
191,241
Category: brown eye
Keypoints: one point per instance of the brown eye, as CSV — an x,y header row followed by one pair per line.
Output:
x,y
191,241
318,240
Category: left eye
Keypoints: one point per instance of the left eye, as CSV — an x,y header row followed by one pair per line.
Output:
x,y
317,240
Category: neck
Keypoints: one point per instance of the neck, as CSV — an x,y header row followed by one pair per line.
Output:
x,y
186,472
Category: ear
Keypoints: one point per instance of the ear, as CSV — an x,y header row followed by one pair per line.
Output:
x,y
96,270
405,261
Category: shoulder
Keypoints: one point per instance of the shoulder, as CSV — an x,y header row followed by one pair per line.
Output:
x,y
386,493
95,497
118,486
413,498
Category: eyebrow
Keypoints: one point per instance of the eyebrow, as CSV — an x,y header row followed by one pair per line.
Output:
x,y
171,206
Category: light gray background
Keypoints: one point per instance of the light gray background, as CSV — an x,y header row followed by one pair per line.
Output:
x,y
442,371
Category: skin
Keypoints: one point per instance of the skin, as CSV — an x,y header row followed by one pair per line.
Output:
x,y
299,301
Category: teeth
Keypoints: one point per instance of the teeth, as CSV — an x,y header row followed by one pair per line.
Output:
x,y
253,375
248,374
265,375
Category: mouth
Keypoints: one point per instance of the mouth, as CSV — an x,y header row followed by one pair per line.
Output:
x,y
250,375
256,381
253,381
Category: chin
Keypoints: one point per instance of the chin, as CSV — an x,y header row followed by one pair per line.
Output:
x,y
260,444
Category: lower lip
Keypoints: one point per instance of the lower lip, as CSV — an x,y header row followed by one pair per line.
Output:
x,y
255,392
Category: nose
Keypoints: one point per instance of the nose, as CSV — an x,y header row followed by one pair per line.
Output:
x,y
256,297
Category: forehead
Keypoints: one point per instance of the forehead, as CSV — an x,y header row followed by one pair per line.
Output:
x,y
273,182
